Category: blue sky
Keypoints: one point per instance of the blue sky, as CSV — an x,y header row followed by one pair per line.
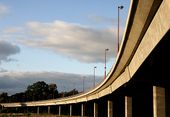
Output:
x,y
57,36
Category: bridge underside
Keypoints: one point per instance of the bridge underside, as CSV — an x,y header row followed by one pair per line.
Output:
x,y
155,69
139,93
153,72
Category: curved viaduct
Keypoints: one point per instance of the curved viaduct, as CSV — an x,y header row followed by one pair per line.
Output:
x,y
138,83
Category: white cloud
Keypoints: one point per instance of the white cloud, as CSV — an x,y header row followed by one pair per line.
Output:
x,y
12,30
3,10
14,82
75,41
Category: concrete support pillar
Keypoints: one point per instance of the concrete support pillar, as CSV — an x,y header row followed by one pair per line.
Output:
x,y
159,102
48,109
82,110
16,109
95,109
128,106
70,110
59,110
2,108
38,110
110,108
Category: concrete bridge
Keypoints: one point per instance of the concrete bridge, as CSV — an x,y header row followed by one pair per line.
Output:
x,y
138,85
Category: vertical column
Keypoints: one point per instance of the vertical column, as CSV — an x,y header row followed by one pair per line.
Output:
x,y
128,106
110,108
95,109
2,108
82,110
48,109
159,102
38,110
59,109
16,109
70,110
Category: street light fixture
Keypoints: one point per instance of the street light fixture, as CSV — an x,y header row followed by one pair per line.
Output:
x,y
94,76
105,63
119,8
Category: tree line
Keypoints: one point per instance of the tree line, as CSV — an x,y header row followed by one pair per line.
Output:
x,y
37,91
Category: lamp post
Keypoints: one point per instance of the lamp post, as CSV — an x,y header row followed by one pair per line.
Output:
x,y
119,8
94,76
83,82
105,63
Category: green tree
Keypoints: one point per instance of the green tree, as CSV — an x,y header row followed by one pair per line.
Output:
x,y
72,92
18,97
69,93
37,91
53,93
4,97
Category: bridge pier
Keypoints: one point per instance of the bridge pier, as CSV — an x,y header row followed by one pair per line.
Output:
x,y
48,110
110,108
38,110
59,110
2,108
82,110
70,110
95,109
128,106
159,102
